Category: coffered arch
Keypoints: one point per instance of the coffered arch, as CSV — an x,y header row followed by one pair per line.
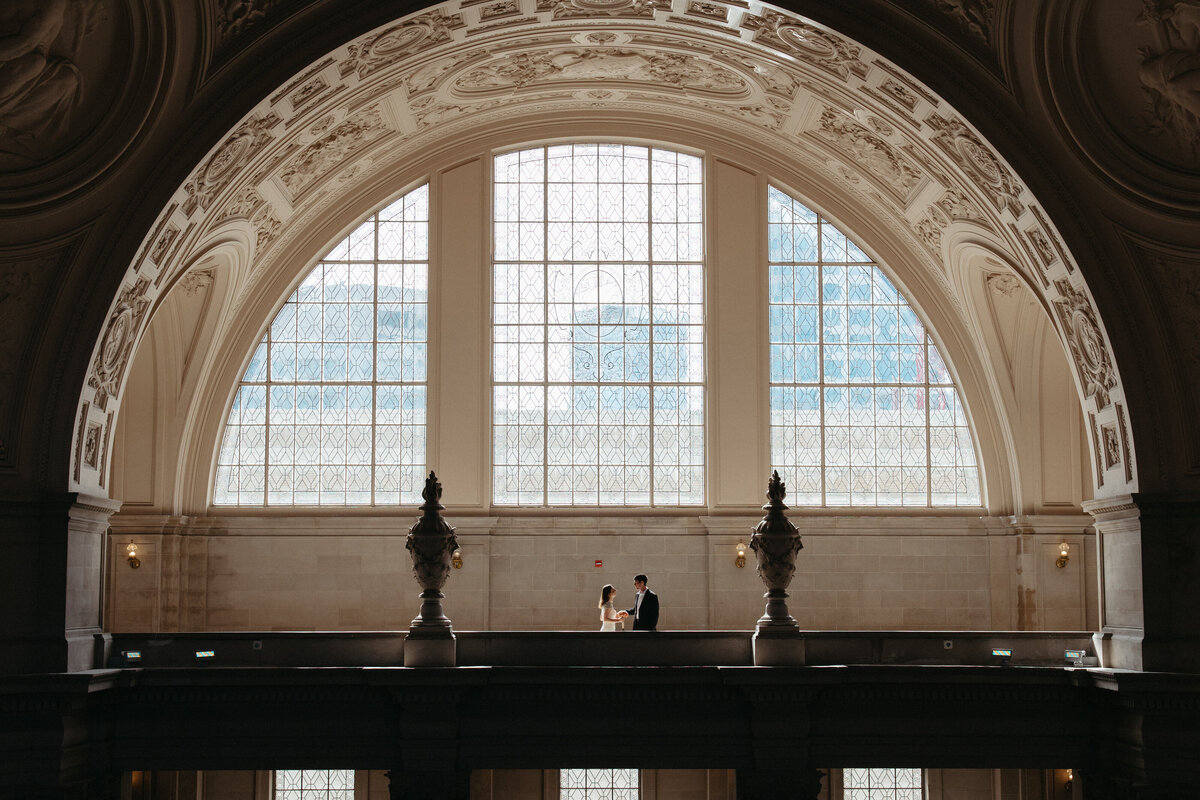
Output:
x,y
888,153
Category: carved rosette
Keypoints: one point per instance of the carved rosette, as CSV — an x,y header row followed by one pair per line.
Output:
x,y
431,543
229,159
810,44
776,542
978,162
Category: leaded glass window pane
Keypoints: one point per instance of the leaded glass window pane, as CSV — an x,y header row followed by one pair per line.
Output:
x,y
881,783
331,408
864,411
598,784
598,335
314,784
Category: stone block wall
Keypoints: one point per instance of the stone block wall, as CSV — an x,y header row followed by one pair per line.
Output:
x,y
545,573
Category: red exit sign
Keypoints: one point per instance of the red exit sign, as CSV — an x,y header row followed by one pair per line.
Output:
x,y
599,563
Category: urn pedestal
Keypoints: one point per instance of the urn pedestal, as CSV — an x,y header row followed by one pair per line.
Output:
x,y
775,542
431,542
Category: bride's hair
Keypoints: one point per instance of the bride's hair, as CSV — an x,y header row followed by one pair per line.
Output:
x,y
605,593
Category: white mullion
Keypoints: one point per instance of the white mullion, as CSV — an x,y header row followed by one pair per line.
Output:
x,y
266,435
375,359
650,301
820,346
928,428
545,331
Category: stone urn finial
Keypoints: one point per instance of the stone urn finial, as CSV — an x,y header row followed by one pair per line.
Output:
x,y
776,542
431,542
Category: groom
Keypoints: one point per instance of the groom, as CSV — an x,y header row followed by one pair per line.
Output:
x,y
645,607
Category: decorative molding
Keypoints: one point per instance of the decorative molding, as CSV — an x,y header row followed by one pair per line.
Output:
x,y
1125,442
1004,284
196,280
581,9
521,70
80,428
1096,448
1111,444
1092,360
120,334
398,42
91,446
42,84
828,52
108,432
1168,71
322,156
230,157
235,17
871,151
973,16
979,163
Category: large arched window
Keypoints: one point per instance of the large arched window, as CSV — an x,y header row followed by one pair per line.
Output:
x,y
331,409
598,348
864,411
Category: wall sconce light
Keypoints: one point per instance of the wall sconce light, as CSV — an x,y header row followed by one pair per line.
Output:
x,y
1063,550
740,561
131,555
1070,780
456,558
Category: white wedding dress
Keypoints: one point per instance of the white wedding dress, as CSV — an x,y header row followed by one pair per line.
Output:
x,y
605,611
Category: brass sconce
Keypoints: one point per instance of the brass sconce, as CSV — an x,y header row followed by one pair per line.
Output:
x,y
456,558
740,561
131,555
1063,550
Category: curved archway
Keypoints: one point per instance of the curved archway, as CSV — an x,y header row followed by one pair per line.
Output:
x,y
851,118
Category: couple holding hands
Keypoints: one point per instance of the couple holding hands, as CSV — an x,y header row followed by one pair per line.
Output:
x,y
644,611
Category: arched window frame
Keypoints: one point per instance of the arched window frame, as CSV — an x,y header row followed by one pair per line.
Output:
x,y
383,377
810,429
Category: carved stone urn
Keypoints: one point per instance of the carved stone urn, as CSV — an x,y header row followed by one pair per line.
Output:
x,y
431,542
776,542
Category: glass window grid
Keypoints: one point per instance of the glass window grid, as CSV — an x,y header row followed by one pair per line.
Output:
x,y
314,784
882,783
598,784
331,409
653,260
927,454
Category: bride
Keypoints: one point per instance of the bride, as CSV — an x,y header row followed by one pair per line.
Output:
x,y
608,617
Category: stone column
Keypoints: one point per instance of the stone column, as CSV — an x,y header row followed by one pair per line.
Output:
x,y
431,542
50,581
779,784
429,784
777,641
1149,589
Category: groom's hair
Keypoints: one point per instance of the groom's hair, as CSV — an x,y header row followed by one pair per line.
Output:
x,y
641,578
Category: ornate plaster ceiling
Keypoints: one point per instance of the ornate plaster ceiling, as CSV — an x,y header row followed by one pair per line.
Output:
x,y
1128,91
767,79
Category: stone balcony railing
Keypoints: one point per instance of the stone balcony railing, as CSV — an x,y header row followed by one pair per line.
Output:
x,y
580,648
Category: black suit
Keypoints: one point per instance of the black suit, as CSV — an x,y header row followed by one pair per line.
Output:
x,y
646,618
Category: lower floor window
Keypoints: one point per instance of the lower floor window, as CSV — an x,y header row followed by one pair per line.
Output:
x,y
314,784
860,783
598,784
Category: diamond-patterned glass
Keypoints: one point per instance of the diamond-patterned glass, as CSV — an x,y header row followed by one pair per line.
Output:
x,y
864,411
314,784
598,335
331,408
598,784
882,783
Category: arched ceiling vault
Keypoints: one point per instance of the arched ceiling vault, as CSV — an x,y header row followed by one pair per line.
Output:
x,y
849,120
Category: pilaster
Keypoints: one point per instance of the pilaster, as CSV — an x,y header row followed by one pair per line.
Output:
x,y
51,579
